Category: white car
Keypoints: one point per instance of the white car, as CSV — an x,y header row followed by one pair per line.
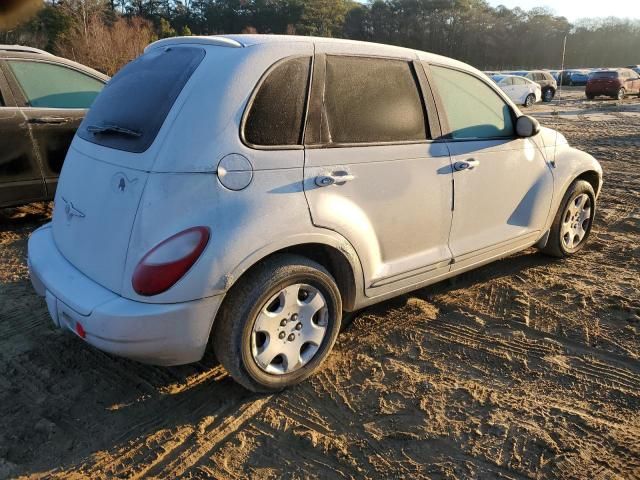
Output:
x,y
520,90
242,191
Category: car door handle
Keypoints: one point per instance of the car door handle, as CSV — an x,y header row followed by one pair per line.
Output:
x,y
48,120
336,178
466,165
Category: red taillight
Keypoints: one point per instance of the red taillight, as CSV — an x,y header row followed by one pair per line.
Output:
x,y
167,262
80,330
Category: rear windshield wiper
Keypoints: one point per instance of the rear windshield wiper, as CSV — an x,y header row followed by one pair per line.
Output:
x,y
110,128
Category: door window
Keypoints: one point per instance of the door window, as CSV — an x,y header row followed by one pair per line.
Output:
x,y
54,86
276,114
372,100
519,81
474,110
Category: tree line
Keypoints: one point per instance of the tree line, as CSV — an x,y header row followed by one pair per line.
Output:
x,y
107,33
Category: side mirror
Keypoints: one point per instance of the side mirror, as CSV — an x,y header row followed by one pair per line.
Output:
x,y
527,126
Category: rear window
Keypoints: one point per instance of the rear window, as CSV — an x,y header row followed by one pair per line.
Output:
x,y
131,109
597,75
276,114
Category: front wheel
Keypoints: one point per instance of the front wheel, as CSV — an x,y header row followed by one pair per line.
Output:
x,y
573,221
530,100
621,93
279,324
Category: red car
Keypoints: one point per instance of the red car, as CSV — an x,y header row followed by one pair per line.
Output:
x,y
613,83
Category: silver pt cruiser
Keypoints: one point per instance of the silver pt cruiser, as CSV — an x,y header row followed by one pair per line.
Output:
x,y
249,189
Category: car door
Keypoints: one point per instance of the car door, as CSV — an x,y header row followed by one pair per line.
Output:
x,y
375,169
520,90
507,85
20,172
503,185
54,98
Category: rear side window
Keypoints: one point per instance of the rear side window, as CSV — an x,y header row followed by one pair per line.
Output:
x,y
46,85
130,111
276,114
474,110
372,100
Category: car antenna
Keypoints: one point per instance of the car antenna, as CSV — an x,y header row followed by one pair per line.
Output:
x,y
561,76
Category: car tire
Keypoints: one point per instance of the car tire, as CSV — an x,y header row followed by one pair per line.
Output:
x,y
257,311
590,97
548,95
621,94
530,100
562,236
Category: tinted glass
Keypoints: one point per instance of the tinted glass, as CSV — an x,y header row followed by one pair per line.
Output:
x,y
139,97
371,100
53,86
474,110
277,113
597,75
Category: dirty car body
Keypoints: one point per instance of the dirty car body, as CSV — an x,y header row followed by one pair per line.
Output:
x,y
277,165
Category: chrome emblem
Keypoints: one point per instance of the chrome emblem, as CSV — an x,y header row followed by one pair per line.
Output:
x,y
70,210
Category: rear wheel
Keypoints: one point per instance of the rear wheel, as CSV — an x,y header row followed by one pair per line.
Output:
x,y
572,224
530,100
278,325
548,94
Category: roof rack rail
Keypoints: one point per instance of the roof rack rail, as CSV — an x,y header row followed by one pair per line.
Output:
x,y
20,48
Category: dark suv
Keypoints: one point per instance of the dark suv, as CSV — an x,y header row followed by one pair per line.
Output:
x,y
43,99
546,82
613,83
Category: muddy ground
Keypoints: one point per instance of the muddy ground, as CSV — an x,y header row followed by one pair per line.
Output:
x,y
527,368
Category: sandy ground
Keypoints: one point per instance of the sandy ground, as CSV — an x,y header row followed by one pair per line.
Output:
x,y
527,368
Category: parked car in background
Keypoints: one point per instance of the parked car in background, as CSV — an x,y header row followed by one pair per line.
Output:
x,y
574,77
613,83
246,189
635,68
579,78
546,81
555,74
520,90
43,99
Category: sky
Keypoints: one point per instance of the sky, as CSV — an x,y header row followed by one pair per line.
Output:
x,y
574,9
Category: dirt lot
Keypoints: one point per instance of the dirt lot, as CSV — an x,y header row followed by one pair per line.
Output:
x,y
527,368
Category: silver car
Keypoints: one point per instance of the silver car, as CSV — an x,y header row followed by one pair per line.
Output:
x,y
244,191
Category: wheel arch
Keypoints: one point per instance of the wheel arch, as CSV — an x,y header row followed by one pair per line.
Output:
x,y
592,177
337,255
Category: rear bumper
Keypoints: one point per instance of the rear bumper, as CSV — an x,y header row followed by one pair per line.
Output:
x,y
160,334
610,91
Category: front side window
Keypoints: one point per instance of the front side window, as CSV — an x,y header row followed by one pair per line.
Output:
x,y
276,114
473,109
372,100
46,85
